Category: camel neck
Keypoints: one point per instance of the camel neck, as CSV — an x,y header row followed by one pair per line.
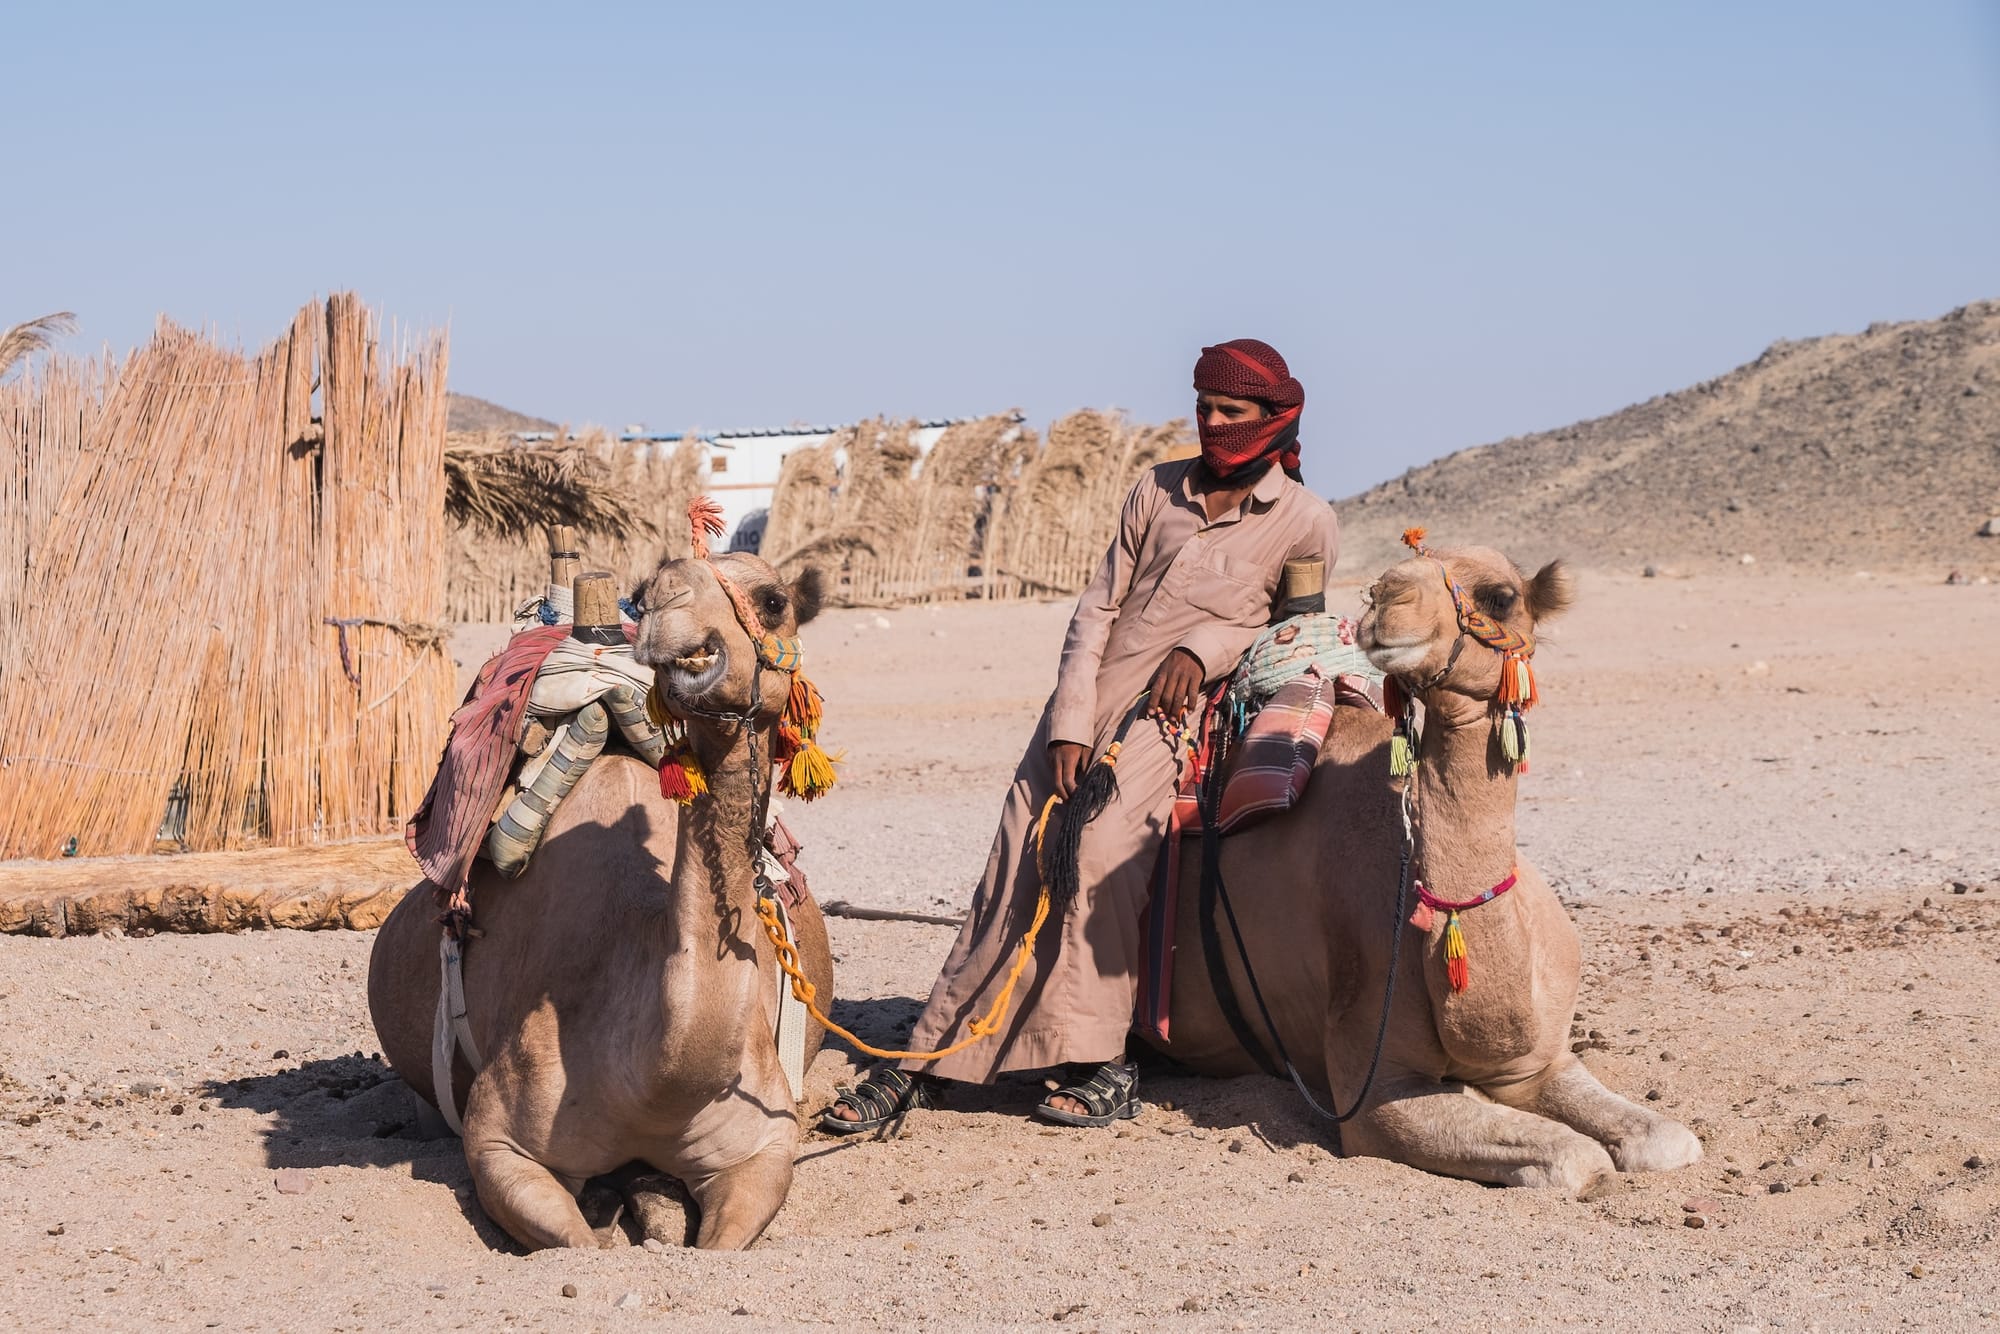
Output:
x,y
713,864
1466,791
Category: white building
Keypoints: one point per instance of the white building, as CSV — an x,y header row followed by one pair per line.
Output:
x,y
743,467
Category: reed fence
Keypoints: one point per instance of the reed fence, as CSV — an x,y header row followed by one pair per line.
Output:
x,y
220,591
991,512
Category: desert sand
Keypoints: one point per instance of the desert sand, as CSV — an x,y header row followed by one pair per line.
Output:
x,y
1771,800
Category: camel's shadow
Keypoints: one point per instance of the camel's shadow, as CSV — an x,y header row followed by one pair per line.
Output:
x,y
353,1111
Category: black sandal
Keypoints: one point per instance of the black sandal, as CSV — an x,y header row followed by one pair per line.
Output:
x,y
881,1098
1108,1093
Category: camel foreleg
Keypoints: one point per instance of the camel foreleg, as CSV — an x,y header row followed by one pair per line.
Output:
x,y
737,1203
1452,1130
1638,1140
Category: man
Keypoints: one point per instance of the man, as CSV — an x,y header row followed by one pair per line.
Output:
x,y
1189,581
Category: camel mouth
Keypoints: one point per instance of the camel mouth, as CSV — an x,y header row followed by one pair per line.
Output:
x,y
691,675
1398,657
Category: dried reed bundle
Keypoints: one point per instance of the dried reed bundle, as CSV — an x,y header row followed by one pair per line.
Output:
x,y
1063,510
990,513
24,340
183,540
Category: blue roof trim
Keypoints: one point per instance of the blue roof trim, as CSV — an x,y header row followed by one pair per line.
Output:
x,y
719,437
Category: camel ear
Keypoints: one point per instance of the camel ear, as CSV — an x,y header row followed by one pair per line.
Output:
x,y
1551,591
808,593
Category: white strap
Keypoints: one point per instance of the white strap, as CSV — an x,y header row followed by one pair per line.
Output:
x,y
451,1032
790,1029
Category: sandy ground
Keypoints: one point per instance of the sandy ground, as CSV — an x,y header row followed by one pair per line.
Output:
x,y
1770,800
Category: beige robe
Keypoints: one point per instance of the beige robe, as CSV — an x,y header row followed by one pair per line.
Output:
x,y
1172,579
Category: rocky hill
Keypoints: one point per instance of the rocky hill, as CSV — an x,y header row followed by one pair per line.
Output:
x,y
1877,450
476,414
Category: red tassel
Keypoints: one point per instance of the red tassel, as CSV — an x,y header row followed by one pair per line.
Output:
x,y
674,785
1455,966
1394,701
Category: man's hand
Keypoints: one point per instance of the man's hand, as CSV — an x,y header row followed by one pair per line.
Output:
x,y
1175,686
1069,759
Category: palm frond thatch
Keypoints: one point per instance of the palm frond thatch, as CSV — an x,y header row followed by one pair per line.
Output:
x,y
23,340
507,490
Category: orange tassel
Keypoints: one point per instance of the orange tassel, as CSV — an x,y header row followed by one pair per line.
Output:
x,y
1517,683
1413,538
1455,965
704,522
804,707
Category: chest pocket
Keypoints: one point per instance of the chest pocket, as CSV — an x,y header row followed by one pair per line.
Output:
x,y
1230,590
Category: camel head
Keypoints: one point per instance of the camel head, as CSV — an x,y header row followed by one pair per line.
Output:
x,y
693,637
1417,632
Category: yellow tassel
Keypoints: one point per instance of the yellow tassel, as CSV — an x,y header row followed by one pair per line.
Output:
x,y
1455,965
1401,756
656,708
810,774
681,778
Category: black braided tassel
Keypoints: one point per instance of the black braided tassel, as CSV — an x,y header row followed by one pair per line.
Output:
x,y
1063,848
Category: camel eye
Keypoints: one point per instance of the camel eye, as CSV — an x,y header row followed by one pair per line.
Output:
x,y
1496,599
772,603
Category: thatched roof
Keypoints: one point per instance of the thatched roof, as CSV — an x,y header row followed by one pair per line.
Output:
x,y
507,489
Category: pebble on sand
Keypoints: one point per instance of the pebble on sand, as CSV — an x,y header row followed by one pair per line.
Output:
x,y
292,1181
569,1289
1694,1220
631,1301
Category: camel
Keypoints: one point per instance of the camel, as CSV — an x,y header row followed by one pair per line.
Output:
x,y
1478,1083
622,989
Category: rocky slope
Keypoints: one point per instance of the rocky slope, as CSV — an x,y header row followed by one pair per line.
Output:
x,y
1860,451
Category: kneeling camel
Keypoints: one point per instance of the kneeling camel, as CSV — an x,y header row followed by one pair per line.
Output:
x,y
1476,1082
621,990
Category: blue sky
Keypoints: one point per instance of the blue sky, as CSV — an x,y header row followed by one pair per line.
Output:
x,y
1459,222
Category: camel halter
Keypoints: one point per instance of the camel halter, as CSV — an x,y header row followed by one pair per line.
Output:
x,y
1517,678
805,770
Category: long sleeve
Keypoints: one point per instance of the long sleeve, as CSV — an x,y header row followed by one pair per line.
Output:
x,y
1073,712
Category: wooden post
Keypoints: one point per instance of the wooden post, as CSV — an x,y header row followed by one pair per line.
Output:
x,y
595,597
563,555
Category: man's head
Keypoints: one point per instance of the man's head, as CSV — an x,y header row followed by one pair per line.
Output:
x,y
1247,408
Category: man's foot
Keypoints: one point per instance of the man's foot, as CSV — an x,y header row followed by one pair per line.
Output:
x,y
876,1101
1107,1094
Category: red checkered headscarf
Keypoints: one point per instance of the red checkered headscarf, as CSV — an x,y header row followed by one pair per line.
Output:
x,y
1247,368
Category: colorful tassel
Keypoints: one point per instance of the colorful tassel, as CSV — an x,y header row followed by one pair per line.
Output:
x,y
656,708
1423,919
804,707
1413,538
1514,738
1455,965
704,522
681,778
809,775
1517,683
1402,756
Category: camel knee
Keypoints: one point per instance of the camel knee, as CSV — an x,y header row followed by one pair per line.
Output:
x,y
738,1203
527,1200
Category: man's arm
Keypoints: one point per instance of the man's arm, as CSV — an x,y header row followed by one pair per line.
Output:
x,y
1072,718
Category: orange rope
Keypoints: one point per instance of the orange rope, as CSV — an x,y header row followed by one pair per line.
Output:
x,y
804,991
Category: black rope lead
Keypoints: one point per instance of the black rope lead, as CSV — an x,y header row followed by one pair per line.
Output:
x,y
1212,868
